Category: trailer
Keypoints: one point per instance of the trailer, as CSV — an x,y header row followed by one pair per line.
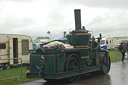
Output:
x,y
112,41
59,62
14,46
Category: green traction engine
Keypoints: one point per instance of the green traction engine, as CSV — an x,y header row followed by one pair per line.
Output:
x,y
85,57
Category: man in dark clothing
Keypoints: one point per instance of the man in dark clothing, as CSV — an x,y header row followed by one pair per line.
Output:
x,y
122,50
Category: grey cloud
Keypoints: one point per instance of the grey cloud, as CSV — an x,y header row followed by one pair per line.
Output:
x,y
12,24
98,3
17,0
97,19
114,18
57,19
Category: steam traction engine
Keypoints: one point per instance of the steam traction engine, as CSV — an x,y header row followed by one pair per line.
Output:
x,y
85,57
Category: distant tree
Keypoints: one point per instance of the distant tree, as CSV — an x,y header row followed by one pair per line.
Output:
x,y
48,32
42,38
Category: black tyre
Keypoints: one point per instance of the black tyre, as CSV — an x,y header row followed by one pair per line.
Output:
x,y
72,64
105,63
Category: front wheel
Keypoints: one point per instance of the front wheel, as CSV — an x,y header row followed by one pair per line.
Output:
x,y
105,63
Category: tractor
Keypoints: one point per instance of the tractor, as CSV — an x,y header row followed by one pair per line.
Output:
x,y
85,56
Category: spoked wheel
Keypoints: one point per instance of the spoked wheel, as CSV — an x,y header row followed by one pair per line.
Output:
x,y
74,78
73,64
105,63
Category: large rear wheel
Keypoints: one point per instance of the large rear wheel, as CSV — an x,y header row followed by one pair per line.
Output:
x,y
72,64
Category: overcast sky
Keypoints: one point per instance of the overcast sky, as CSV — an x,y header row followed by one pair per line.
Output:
x,y
36,17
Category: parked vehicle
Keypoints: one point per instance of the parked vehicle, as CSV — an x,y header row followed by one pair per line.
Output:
x,y
55,61
103,43
36,45
14,46
112,42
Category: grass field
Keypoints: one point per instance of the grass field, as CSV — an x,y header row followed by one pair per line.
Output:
x,y
13,81
115,56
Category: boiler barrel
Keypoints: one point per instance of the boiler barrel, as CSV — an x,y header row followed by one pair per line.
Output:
x,y
79,39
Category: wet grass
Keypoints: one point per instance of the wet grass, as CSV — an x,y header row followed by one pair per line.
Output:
x,y
114,55
15,72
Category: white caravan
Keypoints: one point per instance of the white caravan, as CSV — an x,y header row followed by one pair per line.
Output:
x,y
112,42
14,46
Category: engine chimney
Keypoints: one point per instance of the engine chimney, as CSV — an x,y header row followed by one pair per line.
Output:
x,y
77,14
79,37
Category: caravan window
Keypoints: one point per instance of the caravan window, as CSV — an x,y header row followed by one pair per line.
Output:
x,y
106,41
2,45
25,47
102,42
117,38
110,41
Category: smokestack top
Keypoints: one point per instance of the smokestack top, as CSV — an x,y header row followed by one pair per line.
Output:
x,y
78,29
77,14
